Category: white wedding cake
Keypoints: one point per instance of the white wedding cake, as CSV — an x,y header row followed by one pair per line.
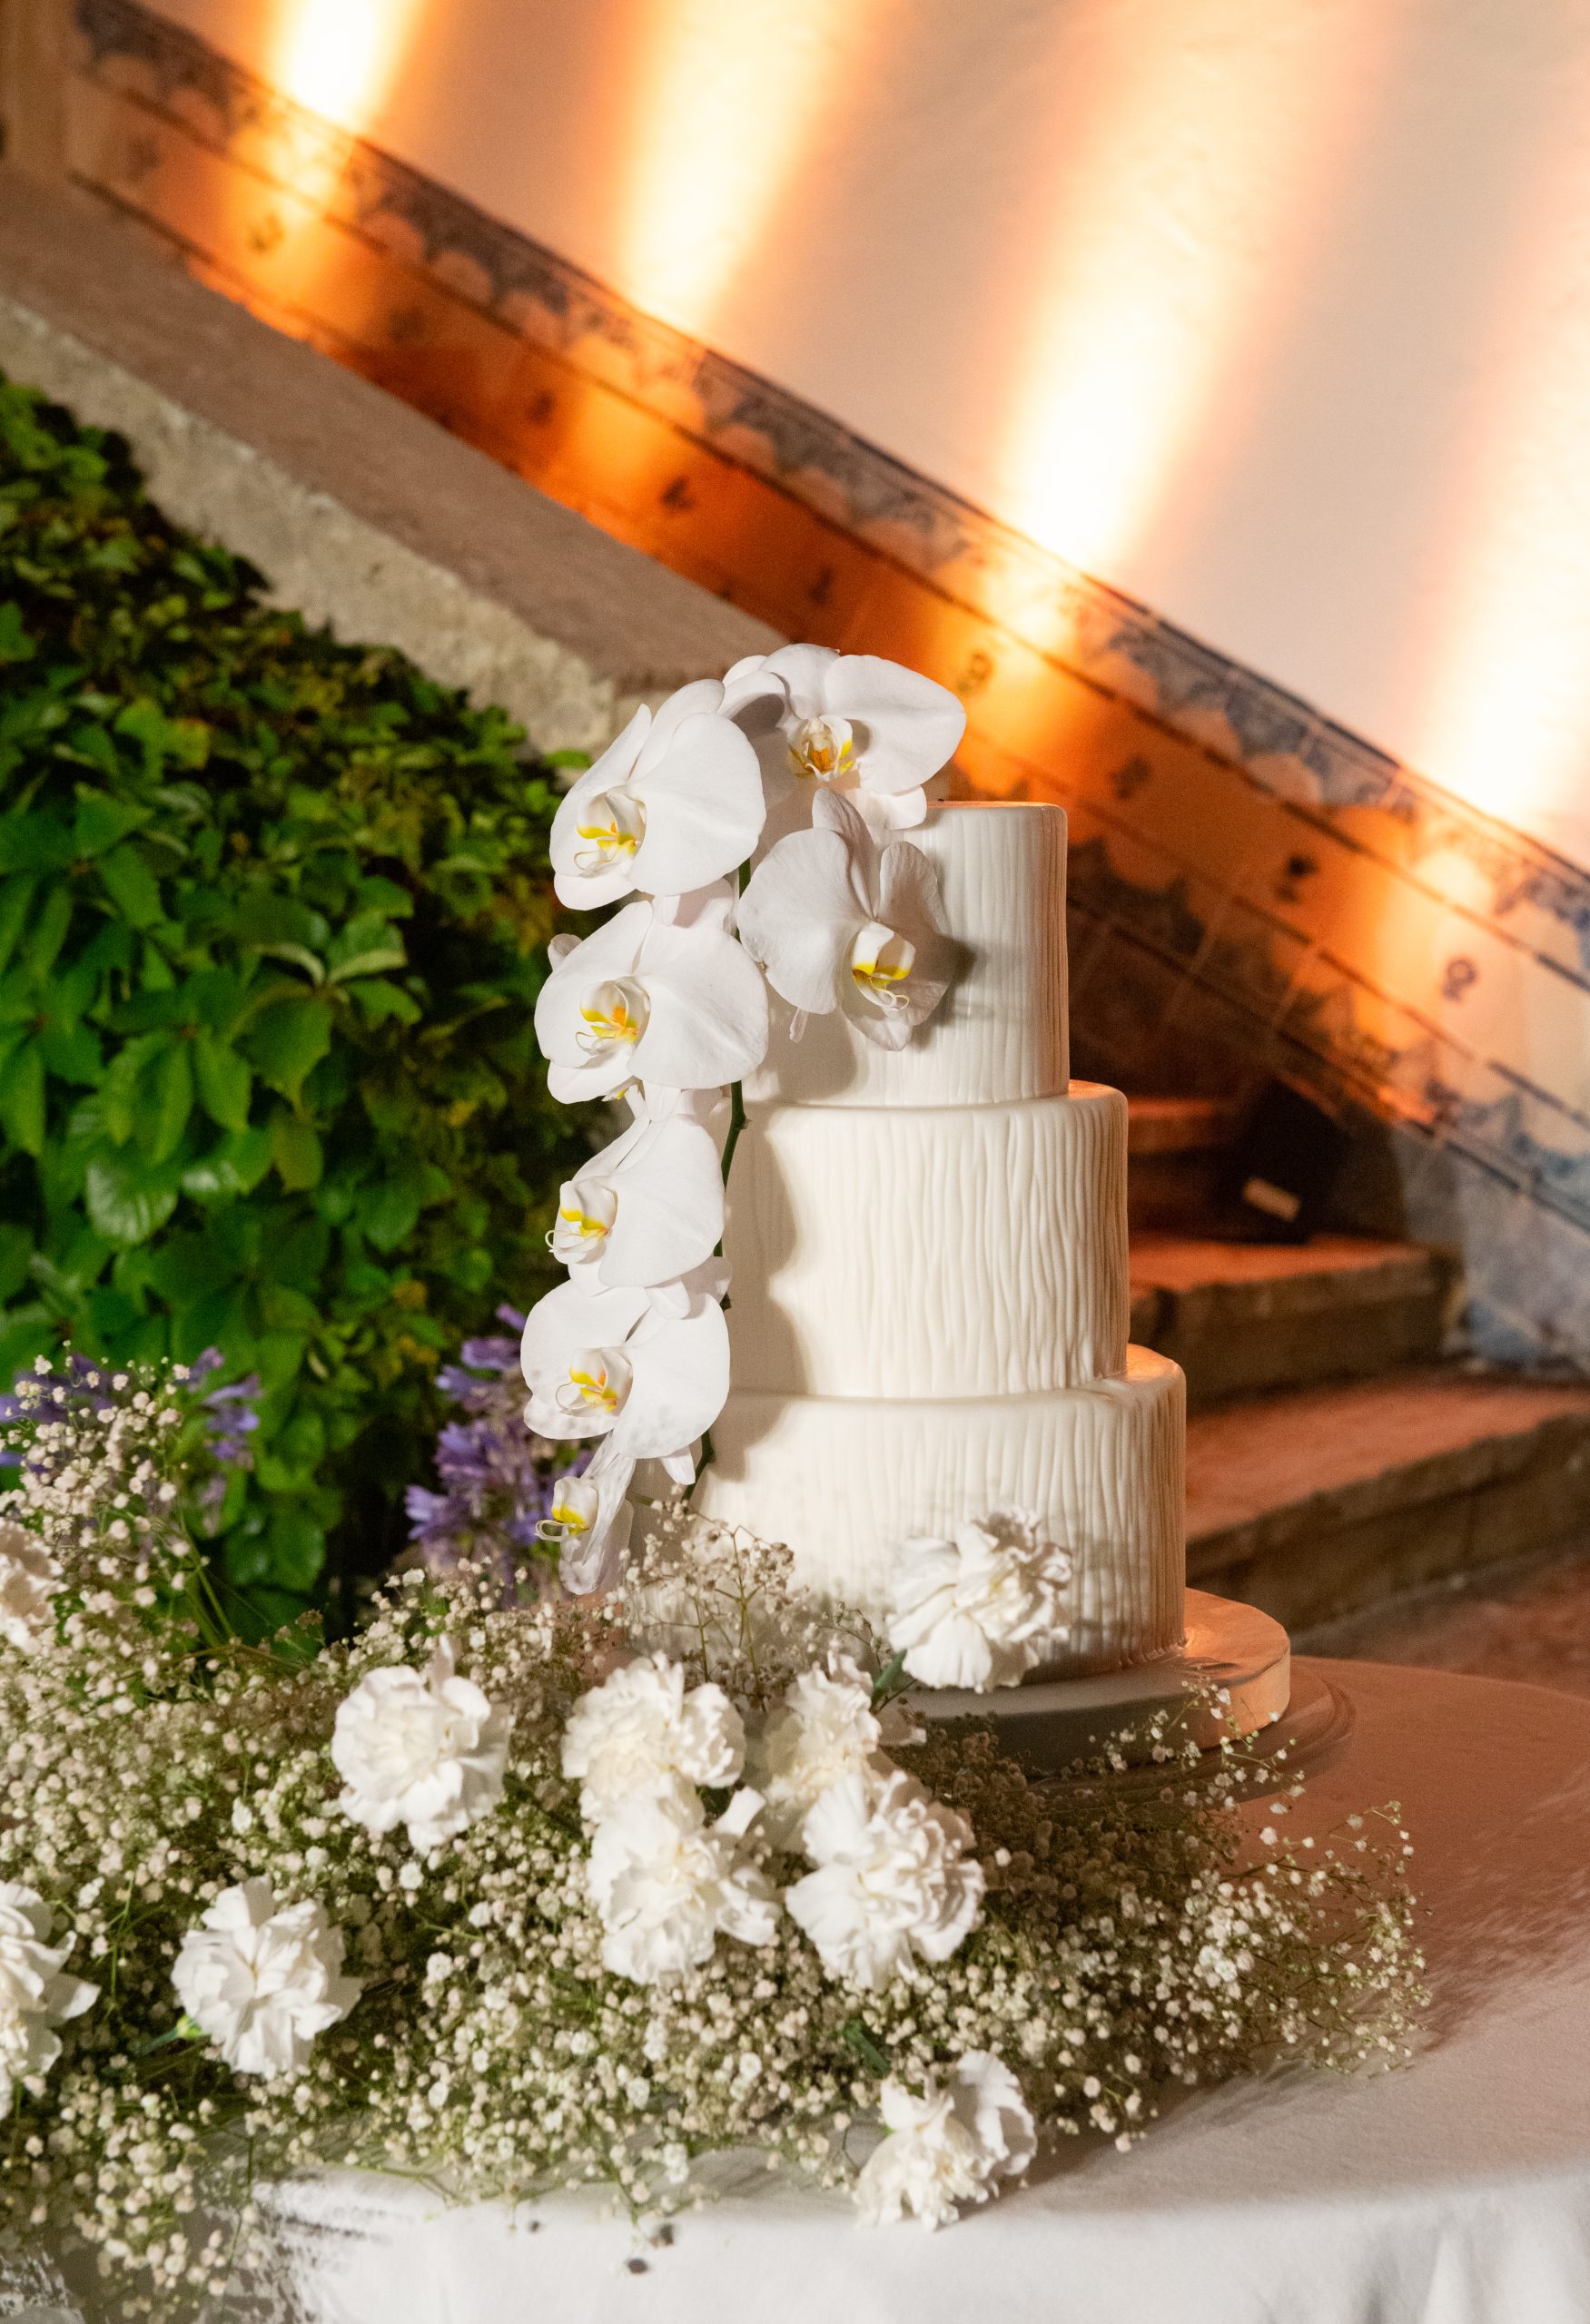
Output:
x,y
929,1303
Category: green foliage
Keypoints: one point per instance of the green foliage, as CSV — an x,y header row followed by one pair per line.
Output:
x,y
272,920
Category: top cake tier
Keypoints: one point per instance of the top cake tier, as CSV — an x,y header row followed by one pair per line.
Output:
x,y
999,1034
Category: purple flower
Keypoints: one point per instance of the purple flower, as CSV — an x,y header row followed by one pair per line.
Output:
x,y
497,1480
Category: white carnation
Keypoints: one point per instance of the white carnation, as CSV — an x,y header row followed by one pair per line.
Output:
x,y
29,1579
666,1884
419,1747
827,1729
979,1610
948,2147
261,1984
892,1878
639,1732
35,1996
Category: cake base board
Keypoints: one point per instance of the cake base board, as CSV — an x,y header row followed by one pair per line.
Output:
x,y
1050,1724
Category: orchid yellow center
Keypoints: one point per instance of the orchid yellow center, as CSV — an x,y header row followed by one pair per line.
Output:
x,y
881,964
613,827
596,1384
585,1212
613,1017
575,1509
823,749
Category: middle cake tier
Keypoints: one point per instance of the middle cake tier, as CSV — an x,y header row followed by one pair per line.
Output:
x,y
900,1252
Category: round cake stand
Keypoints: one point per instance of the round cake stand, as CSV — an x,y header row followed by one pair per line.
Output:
x,y
1052,1724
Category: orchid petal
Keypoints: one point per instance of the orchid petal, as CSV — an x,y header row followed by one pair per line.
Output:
x,y
804,672
707,1023
799,915
645,1209
680,1384
674,803
911,726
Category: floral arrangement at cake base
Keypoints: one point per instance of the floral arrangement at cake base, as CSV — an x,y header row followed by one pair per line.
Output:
x,y
524,1896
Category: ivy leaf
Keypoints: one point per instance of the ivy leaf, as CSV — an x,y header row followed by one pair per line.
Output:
x,y
129,1198
390,1211
120,1091
102,822
132,887
288,1040
164,1117
378,998
16,645
296,1151
49,933
71,1054
22,1098
234,1166
224,1081
16,896
368,944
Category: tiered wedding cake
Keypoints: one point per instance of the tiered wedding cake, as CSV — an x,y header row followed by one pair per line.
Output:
x,y
928,1301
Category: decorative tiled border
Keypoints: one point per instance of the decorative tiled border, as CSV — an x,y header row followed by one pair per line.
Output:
x,y
1175,704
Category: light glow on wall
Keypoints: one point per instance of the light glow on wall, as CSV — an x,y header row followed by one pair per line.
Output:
x,y
1504,692
338,57
1193,172
729,97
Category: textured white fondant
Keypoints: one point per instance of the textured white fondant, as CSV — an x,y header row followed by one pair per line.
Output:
x,y
1000,1032
930,1251
844,1481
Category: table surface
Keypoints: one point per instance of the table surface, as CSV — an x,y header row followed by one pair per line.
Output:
x,y
1453,2191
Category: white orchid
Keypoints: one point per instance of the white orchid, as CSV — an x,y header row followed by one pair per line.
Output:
x,y
647,1369
674,803
947,2145
29,1579
423,1749
981,1609
263,1982
36,1993
590,1521
666,1884
892,1878
661,994
839,923
821,720
642,1730
648,1207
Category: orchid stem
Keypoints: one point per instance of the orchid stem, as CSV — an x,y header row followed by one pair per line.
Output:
x,y
737,1124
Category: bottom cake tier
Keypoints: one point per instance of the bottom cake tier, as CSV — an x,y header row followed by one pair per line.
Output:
x,y
844,1481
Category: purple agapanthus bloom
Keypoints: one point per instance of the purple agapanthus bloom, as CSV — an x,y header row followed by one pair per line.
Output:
x,y
497,1478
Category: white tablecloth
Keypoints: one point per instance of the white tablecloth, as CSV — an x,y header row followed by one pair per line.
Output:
x,y
1456,2191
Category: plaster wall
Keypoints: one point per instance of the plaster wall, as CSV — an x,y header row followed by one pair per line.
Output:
x,y
1274,313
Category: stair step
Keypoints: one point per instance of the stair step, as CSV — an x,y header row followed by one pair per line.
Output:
x,y
1315,1502
1243,1318
1176,1153
1177,1124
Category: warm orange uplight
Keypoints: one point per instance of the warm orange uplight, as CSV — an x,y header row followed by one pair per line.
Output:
x,y
338,56
1504,691
729,96
1193,162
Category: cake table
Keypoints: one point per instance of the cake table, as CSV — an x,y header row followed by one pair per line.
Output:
x,y
1453,2191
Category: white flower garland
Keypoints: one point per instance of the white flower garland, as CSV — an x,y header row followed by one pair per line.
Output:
x,y
819,759
520,1899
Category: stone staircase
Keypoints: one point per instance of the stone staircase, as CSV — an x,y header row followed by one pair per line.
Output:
x,y
1341,1450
